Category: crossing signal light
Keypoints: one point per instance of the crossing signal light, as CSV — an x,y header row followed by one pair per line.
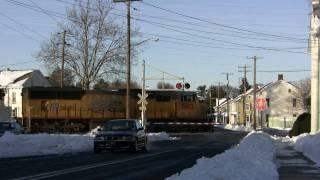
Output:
x,y
187,85
178,85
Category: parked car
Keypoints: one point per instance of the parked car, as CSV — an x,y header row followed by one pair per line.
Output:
x,y
121,134
12,127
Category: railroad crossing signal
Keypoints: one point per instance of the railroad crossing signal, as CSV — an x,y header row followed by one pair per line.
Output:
x,y
142,108
143,99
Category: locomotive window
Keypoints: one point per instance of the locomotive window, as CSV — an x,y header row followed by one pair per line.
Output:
x,y
163,98
187,98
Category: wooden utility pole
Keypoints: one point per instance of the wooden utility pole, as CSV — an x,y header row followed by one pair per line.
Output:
x,y
218,109
228,94
128,2
62,58
244,115
254,89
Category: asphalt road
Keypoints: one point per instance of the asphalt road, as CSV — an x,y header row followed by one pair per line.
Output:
x,y
164,159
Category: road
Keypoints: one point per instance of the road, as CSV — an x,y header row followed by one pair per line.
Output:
x,y
164,159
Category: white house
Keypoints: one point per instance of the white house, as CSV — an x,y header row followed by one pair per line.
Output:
x,y
284,104
13,81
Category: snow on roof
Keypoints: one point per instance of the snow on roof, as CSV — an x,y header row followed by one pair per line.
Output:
x,y
8,77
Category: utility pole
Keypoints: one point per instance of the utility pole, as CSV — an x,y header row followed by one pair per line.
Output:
x,y
228,94
244,90
315,64
143,93
218,109
254,89
128,54
62,58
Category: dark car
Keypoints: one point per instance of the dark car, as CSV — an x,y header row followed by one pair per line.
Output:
x,y
121,134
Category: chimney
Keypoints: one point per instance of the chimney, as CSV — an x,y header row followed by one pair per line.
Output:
x,y
280,77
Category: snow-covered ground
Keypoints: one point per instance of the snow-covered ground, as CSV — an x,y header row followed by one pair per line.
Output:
x,y
252,159
309,145
236,127
12,145
43,144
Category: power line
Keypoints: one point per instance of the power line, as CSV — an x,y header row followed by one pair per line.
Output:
x,y
44,11
219,24
161,25
222,41
19,32
216,33
26,27
294,70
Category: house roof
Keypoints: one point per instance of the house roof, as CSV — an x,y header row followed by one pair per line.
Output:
x,y
8,77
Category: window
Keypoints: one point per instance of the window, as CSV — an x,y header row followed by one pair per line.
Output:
x,y
294,102
268,102
294,115
289,90
14,98
187,98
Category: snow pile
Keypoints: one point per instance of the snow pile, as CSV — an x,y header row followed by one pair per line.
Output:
x,y
252,159
43,144
309,145
160,137
237,127
93,132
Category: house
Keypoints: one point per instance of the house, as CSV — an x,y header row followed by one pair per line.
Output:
x,y
5,112
284,103
13,81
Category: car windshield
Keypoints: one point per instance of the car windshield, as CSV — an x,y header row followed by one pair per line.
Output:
x,y
119,126
5,126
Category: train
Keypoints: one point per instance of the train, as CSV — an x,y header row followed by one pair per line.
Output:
x,y
72,110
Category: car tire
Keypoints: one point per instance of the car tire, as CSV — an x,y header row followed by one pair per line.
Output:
x,y
145,146
135,147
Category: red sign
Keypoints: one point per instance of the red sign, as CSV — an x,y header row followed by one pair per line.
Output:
x,y
261,104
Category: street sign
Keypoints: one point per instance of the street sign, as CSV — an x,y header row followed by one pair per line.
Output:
x,y
261,104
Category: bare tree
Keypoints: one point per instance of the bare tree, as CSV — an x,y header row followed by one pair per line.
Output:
x,y
97,43
55,79
305,89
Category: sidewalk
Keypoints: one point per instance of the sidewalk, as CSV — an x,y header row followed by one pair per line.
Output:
x,y
294,165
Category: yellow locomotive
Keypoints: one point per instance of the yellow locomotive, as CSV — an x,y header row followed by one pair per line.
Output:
x,y
75,110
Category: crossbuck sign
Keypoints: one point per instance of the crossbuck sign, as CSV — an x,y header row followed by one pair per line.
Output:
x,y
143,101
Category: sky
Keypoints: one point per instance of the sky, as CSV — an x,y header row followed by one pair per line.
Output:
x,y
197,40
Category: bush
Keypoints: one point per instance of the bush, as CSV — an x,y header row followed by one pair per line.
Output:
x,y
301,125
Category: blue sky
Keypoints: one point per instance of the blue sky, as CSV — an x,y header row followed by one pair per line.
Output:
x,y
201,54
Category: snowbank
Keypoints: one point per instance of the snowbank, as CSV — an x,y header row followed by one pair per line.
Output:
x,y
252,159
236,127
12,145
160,137
309,145
43,144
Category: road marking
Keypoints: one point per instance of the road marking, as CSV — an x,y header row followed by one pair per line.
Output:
x,y
85,167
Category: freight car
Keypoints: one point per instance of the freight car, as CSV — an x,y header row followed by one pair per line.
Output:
x,y
75,110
